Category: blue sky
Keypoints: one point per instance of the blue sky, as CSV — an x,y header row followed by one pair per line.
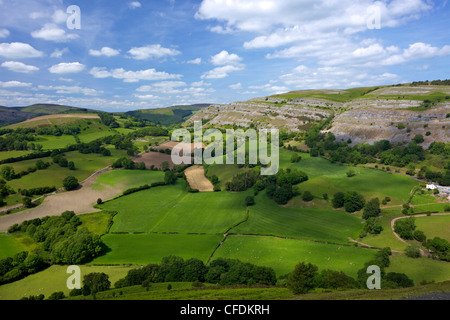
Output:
x,y
131,55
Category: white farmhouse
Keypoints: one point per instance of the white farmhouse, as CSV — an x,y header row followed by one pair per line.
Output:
x,y
431,186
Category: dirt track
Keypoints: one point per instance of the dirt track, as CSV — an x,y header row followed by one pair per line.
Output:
x,y
80,201
195,176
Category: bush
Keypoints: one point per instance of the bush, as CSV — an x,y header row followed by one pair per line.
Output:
x,y
59,295
338,200
302,279
70,183
307,196
249,201
413,252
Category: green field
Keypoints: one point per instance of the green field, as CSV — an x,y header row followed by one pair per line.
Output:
x,y
151,248
96,222
86,164
327,177
171,209
9,246
434,226
284,254
267,218
125,179
54,279
420,269
12,154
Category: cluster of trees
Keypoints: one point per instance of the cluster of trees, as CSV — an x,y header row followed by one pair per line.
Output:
x,y
108,120
372,226
58,131
60,240
62,161
220,271
16,140
37,191
432,83
351,201
281,188
244,180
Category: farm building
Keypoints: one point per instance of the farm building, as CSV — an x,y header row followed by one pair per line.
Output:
x,y
432,186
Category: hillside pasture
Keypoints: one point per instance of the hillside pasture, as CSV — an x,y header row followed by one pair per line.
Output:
x,y
284,254
143,249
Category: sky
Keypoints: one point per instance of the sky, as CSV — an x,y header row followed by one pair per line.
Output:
x,y
127,55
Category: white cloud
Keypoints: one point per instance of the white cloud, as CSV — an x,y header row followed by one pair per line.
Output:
x,y
221,72
105,51
51,32
132,76
59,16
18,50
135,5
65,68
417,51
237,86
167,87
19,67
4,33
14,84
151,52
224,58
195,61
59,53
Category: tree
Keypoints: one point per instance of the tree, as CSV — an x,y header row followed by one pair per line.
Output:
x,y
165,166
302,279
71,165
7,173
418,139
249,201
372,209
295,158
70,183
27,202
194,270
170,177
353,201
351,173
412,252
307,196
95,282
338,200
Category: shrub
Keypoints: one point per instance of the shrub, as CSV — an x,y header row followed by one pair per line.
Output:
x,y
412,252
338,200
307,196
302,279
249,201
70,183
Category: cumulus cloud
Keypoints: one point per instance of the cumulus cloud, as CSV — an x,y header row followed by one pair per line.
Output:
x,y
14,84
51,32
221,72
151,52
135,5
19,67
224,58
237,86
57,53
65,68
195,61
132,76
19,50
105,51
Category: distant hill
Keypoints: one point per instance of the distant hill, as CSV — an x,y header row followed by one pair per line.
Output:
x,y
14,115
168,116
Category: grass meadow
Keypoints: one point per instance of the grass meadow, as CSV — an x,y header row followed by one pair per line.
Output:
x,y
54,279
284,254
147,248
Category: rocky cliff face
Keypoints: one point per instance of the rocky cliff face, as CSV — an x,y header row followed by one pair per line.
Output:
x,y
370,124
395,113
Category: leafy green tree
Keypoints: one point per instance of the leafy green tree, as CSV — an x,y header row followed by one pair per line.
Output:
x,y
371,209
249,201
353,201
307,196
95,282
302,279
7,173
170,177
412,252
194,270
70,183
338,200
